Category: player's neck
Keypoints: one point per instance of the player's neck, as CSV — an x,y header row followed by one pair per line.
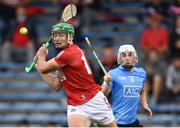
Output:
x,y
131,70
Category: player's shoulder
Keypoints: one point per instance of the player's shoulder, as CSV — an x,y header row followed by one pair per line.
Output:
x,y
67,51
72,48
61,53
140,70
113,70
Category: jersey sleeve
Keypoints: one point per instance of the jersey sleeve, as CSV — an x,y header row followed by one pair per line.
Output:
x,y
62,59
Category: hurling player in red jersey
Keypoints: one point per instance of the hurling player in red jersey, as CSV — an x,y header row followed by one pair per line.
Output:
x,y
86,102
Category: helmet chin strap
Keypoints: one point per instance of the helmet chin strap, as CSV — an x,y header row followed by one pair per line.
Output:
x,y
128,67
69,41
68,37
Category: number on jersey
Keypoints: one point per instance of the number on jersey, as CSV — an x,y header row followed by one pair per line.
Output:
x,y
86,64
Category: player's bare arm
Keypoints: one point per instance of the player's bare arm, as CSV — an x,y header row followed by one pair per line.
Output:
x,y
45,67
52,80
144,103
105,88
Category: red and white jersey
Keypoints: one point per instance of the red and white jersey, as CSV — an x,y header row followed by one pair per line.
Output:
x,y
78,81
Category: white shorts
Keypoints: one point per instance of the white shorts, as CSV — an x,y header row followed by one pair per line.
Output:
x,y
98,110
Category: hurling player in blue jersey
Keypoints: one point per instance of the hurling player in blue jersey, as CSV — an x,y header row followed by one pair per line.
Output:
x,y
127,88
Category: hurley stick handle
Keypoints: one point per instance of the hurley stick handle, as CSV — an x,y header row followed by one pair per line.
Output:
x,y
29,68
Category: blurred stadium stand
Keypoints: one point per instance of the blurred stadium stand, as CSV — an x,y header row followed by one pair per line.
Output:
x,y
25,97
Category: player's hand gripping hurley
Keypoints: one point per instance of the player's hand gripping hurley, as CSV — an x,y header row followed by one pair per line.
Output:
x,y
29,68
69,12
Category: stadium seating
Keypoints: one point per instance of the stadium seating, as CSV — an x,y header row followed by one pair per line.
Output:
x,y
26,97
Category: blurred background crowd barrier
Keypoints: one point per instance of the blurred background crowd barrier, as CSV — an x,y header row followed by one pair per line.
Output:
x,y
152,26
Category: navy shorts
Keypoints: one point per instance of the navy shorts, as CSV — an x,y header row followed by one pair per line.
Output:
x,y
134,124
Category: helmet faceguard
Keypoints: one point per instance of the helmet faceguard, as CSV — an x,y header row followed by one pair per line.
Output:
x,y
126,49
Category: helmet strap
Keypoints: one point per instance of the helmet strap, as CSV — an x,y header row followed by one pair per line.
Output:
x,y
68,37
128,67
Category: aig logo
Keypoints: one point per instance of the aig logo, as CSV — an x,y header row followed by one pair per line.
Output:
x,y
131,91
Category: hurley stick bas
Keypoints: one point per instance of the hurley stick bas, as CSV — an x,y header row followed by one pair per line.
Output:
x,y
95,55
97,58
69,12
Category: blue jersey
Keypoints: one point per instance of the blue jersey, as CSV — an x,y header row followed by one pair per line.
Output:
x,y
126,87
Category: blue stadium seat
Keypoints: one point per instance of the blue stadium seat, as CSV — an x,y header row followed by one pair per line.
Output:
x,y
163,118
40,85
30,96
60,118
12,65
41,96
12,118
23,107
120,25
3,84
16,85
5,106
51,107
24,75
166,108
6,75
39,118
111,34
